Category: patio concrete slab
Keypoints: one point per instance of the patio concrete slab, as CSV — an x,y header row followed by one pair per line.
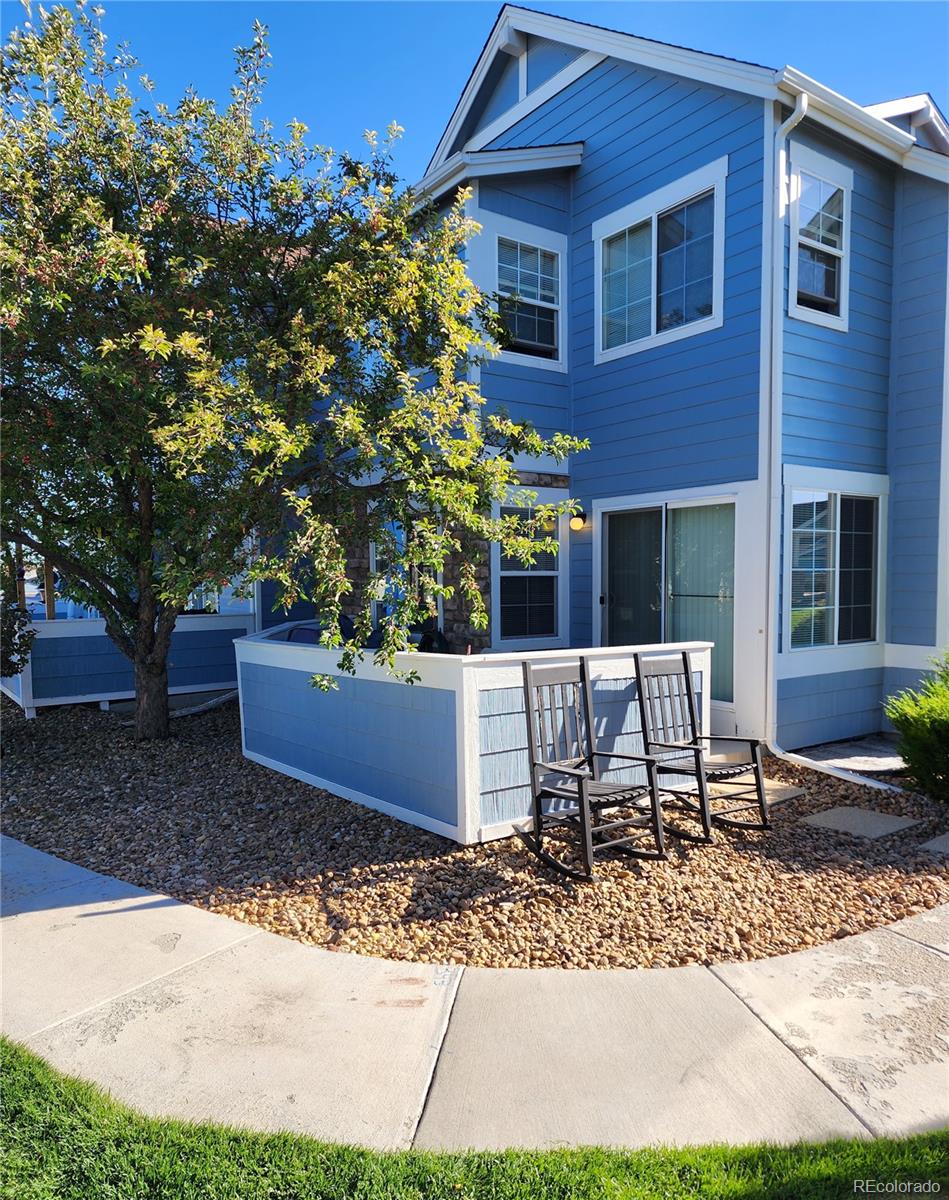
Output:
x,y
548,1058
878,754
81,945
859,822
937,845
870,1017
271,1035
928,928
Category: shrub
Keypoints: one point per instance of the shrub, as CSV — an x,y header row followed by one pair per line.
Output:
x,y
921,717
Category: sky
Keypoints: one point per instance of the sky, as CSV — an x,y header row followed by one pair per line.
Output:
x,y
342,67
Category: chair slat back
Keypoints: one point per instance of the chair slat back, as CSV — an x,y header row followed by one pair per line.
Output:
x,y
666,698
557,702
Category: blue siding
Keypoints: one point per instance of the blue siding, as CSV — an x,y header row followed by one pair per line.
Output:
x,y
828,708
545,58
916,408
505,774
836,384
542,199
395,742
86,666
684,414
528,394
303,610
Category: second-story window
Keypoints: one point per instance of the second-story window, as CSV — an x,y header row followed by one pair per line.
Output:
x,y
660,265
529,283
680,280
818,288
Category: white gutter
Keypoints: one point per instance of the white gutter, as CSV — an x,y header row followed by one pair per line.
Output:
x,y
775,407
775,481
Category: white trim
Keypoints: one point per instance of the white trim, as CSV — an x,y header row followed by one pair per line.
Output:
x,y
712,177
483,271
797,661
569,74
923,113
483,164
225,685
911,658
854,483
859,125
833,109
562,638
829,170
745,713
676,60
95,626
573,71
522,71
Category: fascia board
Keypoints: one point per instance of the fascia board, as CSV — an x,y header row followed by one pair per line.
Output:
x,y
824,102
478,164
694,64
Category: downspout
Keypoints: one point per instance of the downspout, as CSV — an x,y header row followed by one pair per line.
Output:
x,y
775,480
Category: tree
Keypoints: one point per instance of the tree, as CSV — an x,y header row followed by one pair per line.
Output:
x,y
230,352
16,632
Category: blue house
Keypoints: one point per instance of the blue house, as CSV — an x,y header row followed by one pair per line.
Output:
x,y
733,281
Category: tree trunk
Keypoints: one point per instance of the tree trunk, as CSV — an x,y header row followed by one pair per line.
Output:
x,y
151,700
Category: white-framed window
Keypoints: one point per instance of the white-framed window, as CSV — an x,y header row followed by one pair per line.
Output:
x,y
529,281
529,602
659,265
819,270
532,290
834,553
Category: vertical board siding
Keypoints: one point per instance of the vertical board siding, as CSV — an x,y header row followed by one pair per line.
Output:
x,y
836,384
916,409
545,58
505,771
828,708
394,742
74,667
684,414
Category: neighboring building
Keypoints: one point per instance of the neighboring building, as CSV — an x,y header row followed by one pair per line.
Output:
x,y
733,281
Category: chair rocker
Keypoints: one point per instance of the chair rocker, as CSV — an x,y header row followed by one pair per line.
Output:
x,y
569,794
670,727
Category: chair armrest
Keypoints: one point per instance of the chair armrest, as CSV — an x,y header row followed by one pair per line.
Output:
x,y
674,746
557,769
638,758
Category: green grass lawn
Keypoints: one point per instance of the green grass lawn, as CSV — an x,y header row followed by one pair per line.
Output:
x,y
66,1140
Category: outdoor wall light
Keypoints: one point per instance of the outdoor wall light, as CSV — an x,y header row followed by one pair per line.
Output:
x,y
578,521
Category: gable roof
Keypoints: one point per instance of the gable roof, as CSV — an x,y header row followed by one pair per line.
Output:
x,y
922,112
595,43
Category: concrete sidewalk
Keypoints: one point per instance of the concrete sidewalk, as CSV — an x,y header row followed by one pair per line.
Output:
x,y
182,1013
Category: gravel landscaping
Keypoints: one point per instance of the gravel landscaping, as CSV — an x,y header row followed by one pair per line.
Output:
x,y
194,819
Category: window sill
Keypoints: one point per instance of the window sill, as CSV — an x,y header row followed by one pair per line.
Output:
x,y
530,360
801,661
538,643
693,329
813,316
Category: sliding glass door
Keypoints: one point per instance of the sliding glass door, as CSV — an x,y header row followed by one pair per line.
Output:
x,y
671,577
634,577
